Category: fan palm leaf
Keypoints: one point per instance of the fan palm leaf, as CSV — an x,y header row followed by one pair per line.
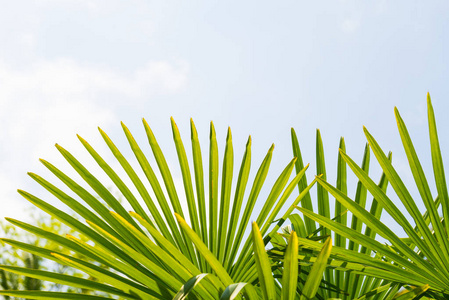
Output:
x,y
423,254
151,252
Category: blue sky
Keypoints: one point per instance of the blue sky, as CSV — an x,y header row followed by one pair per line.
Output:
x,y
69,66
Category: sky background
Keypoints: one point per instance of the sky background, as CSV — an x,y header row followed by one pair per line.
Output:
x,y
259,67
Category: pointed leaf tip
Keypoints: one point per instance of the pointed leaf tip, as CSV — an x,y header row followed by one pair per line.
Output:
x,y
212,129
173,123
179,218
365,130
396,111
255,226
101,131
193,132
429,102
229,134
248,142
83,140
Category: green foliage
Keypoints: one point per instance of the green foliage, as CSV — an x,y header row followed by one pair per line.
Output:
x,y
148,253
191,241
13,261
341,280
420,259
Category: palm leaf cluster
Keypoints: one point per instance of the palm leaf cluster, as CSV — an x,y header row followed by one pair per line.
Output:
x,y
163,250
421,259
151,252
341,280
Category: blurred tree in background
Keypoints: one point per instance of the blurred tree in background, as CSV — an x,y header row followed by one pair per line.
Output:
x,y
15,257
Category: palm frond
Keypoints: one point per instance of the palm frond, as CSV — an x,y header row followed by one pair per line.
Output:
x,y
423,253
152,252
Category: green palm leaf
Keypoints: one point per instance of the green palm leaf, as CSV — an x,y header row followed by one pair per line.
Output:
x,y
314,279
263,265
424,252
290,272
149,253
346,282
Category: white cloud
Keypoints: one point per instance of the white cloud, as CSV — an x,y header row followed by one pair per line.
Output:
x,y
67,78
50,101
